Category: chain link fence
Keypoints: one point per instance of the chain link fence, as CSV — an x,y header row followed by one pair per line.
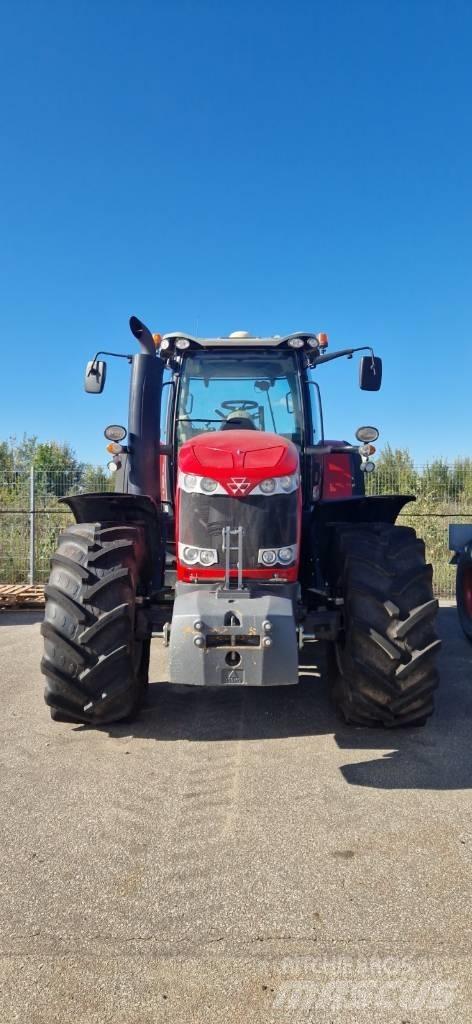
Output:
x,y
31,517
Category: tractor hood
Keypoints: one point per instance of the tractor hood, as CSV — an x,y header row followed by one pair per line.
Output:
x,y
239,459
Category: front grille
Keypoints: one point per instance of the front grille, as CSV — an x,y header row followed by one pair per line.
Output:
x,y
267,522
230,640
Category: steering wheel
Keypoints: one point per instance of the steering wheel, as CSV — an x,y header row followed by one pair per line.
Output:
x,y
239,406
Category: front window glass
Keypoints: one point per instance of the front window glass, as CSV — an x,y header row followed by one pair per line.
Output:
x,y
259,391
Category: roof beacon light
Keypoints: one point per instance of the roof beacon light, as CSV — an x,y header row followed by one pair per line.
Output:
x,y
323,340
157,338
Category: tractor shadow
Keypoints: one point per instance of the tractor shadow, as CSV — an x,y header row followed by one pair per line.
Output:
x,y
438,756
206,714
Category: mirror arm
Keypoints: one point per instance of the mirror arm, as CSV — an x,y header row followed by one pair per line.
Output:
x,y
347,352
117,355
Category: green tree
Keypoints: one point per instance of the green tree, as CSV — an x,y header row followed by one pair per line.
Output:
x,y
6,458
395,473
461,480
435,480
22,452
95,478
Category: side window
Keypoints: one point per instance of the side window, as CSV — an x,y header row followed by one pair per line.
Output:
x,y
166,397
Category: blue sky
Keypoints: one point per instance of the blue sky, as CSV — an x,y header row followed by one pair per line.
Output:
x,y
212,166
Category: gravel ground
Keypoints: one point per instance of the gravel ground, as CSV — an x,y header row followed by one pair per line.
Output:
x,y
233,855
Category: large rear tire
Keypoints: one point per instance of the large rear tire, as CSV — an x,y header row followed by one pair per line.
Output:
x,y
386,652
464,591
96,665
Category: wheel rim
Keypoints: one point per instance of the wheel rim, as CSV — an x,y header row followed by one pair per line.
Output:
x,y
467,590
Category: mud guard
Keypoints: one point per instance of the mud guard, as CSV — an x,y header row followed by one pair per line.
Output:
x,y
107,507
322,519
376,508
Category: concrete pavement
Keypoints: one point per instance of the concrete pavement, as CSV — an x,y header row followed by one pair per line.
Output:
x,y
233,855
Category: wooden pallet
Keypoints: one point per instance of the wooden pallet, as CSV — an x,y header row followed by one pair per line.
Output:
x,y
21,595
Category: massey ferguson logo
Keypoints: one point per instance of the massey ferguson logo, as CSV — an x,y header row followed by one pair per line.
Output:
x,y
239,485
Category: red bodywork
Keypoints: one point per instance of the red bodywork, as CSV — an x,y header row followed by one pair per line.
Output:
x,y
337,474
239,460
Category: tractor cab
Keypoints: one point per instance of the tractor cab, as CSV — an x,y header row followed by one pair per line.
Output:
x,y
257,385
214,391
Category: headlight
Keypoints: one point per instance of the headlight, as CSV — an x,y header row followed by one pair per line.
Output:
x,y
289,483
193,484
207,485
277,485
207,556
284,556
115,433
190,555
267,486
366,434
269,556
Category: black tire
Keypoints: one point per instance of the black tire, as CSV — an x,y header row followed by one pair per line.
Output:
x,y
96,666
464,591
386,652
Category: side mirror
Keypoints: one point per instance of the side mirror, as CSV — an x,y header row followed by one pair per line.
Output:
x,y
370,373
95,376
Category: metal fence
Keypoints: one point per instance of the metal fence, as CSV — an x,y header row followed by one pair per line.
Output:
x,y
31,517
443,496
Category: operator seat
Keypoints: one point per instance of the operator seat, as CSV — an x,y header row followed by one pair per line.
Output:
x,y
239,419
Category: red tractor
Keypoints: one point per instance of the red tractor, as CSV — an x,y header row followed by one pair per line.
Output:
x,y
237,533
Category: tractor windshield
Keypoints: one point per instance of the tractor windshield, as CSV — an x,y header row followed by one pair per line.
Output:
x,y
253,390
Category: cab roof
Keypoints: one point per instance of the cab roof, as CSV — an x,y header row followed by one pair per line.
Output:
x,y
239,339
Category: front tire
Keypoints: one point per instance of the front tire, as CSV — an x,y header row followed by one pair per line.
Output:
x,y
96,664
386,653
